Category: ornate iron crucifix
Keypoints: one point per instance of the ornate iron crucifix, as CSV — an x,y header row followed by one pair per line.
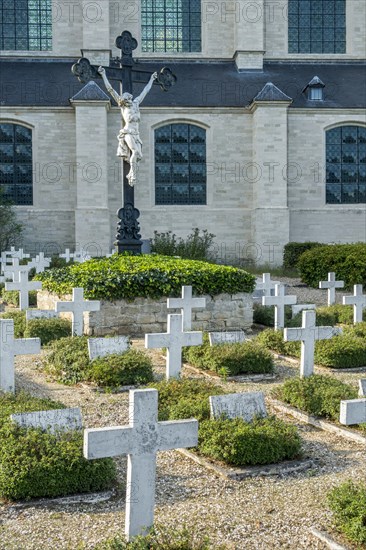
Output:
x,y
123,70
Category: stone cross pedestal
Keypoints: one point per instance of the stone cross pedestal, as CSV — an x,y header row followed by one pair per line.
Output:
x,y
9,347
331,284
353,412
77,306
14,270
174,340
186,303
279,300
358,300
266,284
141,440
308,334
24,286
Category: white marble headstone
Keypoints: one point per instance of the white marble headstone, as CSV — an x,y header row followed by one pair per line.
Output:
x,y
238,405
227,337
52,420
99,347
353,411
40,314
362,387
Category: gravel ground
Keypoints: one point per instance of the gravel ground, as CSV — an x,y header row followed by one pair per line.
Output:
x,y
261,513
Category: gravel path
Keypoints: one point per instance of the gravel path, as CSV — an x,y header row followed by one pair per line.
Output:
x,y
261,513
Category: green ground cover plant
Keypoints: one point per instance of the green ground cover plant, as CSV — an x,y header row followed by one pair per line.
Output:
x,y
47,330
348,504
195,246
12,297
19,321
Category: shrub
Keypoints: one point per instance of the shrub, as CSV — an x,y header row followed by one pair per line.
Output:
x,y
348,261
47,329
131,367
68,360
231,359
318,395
264,315
273,340
292,252
36,464
236,442
341,352
328,316
348,504
12,297
195,247
19,321
124,276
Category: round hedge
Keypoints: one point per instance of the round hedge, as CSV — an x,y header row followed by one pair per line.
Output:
x,y
148,276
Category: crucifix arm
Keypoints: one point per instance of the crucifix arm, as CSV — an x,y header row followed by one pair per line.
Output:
x,y
147,88
112,91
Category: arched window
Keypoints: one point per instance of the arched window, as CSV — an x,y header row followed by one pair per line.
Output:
x,y
16,163
180,164
26,25
317,26
346,165
171,25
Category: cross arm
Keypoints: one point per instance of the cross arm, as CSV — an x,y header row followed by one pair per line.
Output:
x,y
157,340
178,434
108,442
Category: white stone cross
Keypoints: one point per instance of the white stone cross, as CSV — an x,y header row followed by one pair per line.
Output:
x,y
24,286
174,340
353,412
67,255
331,284
40,262
16,253
266,284
141,440
13,271
279,300
80,257
186,303
358,300
10,346
308,334
77,306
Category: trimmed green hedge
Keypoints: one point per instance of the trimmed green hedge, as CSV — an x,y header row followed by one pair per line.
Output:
x,y
348,261
35,464
264,315
12,297
348,504
47,329
292,252
149,276
19,319
328,316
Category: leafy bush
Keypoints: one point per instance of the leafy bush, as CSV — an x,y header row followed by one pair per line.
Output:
x,y
292,252
19,321
236,442
12,297
348,261
264,315
318,395
131,367
231,359
195,247
68,360
57,262
348,504
273,340
47,329
124,276
36,464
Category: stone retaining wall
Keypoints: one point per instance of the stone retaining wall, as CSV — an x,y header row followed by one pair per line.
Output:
x,y
144,315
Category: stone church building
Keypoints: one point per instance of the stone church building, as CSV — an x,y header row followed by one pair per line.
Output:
x,y
261,141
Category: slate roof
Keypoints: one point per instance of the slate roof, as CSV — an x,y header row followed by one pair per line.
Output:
x,y
90,92
49,82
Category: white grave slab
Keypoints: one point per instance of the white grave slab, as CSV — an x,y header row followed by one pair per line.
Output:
x,y
141,440
358,300
279,301
9,347
174,340
77,307
266,284
227,337
40,314
353,412
24,286
51,421
186,303
100,347
238,405
308,334
301,307
362,388
331,284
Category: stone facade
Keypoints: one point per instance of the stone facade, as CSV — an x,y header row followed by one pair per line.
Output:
x,y
144,315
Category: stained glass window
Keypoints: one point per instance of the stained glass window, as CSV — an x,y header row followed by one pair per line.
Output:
x,y
316,26
171,25
16,174
26,25
346,165
180,164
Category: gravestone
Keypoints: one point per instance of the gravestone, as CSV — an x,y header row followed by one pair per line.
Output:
x,y
227,337
308,334
353,412
238,405
301,307
266,285
9,347
80,257
76,307
14,270
13,253
279,300
358,300
40,263
51,421
362,388
174,340
24,286
141,440
331,284
100,347
40,314
186,303
67,255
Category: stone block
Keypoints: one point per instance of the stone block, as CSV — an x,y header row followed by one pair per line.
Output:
x,y
242,405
